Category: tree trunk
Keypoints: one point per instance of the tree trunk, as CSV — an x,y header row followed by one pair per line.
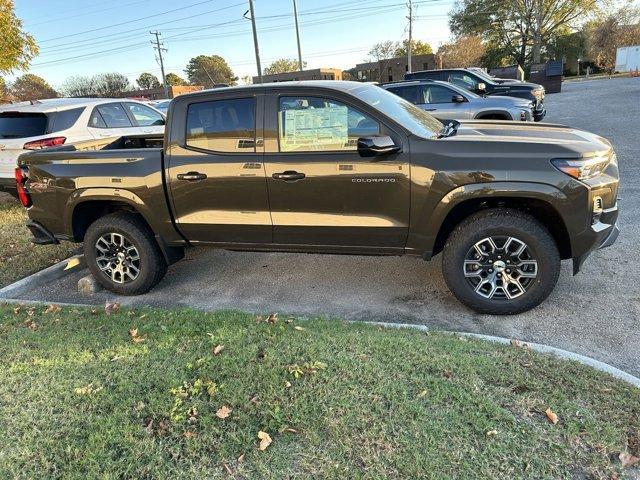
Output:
x,y
537,34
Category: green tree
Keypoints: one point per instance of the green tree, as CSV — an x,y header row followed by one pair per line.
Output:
x,y
112,84
147,81
32,87
283,65
517,30
209,71
17,48
175,80
418,47
80,86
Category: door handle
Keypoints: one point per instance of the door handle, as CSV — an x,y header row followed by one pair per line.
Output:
x,y
289,176
191,176
429,109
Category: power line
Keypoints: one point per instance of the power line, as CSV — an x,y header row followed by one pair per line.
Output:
x,y
127,22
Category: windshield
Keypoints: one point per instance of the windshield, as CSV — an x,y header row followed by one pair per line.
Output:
x,y
414,119
484,75
22,125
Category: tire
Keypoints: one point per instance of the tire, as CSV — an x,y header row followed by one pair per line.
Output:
x,y
150,263
471,266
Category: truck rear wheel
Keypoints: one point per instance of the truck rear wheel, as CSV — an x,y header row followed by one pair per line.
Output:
x,y
501,261
123,255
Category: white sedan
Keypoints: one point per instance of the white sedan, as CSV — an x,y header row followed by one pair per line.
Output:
x,y
46,123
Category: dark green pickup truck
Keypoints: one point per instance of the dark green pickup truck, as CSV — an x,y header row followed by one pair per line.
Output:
x,y
332,167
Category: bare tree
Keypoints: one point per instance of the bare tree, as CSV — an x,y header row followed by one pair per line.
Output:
x,y
606,34
462,52
382,53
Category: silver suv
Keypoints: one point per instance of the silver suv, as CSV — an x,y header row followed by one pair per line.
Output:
x,y
446,101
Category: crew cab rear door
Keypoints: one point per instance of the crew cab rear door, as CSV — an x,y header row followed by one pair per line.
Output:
x,y
215,168
321,191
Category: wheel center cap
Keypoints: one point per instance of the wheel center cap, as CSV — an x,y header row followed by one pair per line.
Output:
x,y
121,256
499,266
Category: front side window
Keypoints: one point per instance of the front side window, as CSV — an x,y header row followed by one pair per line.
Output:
x,y
312,124
434,94
222,125
145,116
114,116
463,79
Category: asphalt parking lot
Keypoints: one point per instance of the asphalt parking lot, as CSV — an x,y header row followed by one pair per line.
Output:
x,y
596,313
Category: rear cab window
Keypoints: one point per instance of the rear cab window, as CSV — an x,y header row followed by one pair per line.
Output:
x,y
226,125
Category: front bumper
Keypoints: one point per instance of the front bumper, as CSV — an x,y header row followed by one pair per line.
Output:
x,y
601,235
539,112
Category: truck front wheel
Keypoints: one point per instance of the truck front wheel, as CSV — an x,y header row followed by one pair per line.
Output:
x,y
501,261
123,255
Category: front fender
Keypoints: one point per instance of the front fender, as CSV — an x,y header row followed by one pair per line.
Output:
x,y
431,217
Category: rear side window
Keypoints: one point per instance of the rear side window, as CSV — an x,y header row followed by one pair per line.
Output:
x,y
435,94
114,115
408,93
22,125
222,125
64,119
96,120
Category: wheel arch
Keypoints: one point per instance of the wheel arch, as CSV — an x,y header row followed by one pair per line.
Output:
x,y
494,114
541,210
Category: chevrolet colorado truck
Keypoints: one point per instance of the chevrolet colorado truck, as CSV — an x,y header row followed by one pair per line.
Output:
x,y
332,167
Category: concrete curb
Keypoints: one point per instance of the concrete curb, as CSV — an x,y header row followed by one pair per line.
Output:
x,y
41,278
538,347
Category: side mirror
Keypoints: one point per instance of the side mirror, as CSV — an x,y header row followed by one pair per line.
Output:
x,y
458,99
482,87
376,146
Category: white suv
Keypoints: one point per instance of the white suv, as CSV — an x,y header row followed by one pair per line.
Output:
x,y
46,123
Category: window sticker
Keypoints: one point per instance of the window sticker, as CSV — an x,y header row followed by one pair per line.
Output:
x,y
314,129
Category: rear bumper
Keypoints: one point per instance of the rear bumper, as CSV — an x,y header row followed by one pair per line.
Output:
x,y
601,235
41,236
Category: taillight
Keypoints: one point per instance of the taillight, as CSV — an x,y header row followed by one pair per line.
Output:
x,y
44,143
21,179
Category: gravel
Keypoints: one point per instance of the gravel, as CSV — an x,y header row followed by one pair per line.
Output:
x,y
596,313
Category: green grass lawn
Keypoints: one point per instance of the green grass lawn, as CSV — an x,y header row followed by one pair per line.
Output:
x,y
18,256
85,395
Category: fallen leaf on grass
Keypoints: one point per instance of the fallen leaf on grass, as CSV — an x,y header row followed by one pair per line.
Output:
x,y
553,418
88,390
135,338
272,318
240,458
289,430
16,310
491,433
265,440
223,412
31,312
110,308
32,326
447,373
226,467
287,384
298,327
189,434
218,349
422,393
627,459
52,309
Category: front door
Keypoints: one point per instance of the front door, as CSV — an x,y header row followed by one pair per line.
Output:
x,y
321,191
438,100
215,171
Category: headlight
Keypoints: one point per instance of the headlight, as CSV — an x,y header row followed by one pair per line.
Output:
x,y
583,168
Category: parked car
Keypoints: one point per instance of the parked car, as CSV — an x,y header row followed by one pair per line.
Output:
x,y
45,123
162,105
446,101
484,84
333,167
486,75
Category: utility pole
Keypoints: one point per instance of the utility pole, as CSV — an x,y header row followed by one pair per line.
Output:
x,y
159,47
410,17
295,15
255,39
537,34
